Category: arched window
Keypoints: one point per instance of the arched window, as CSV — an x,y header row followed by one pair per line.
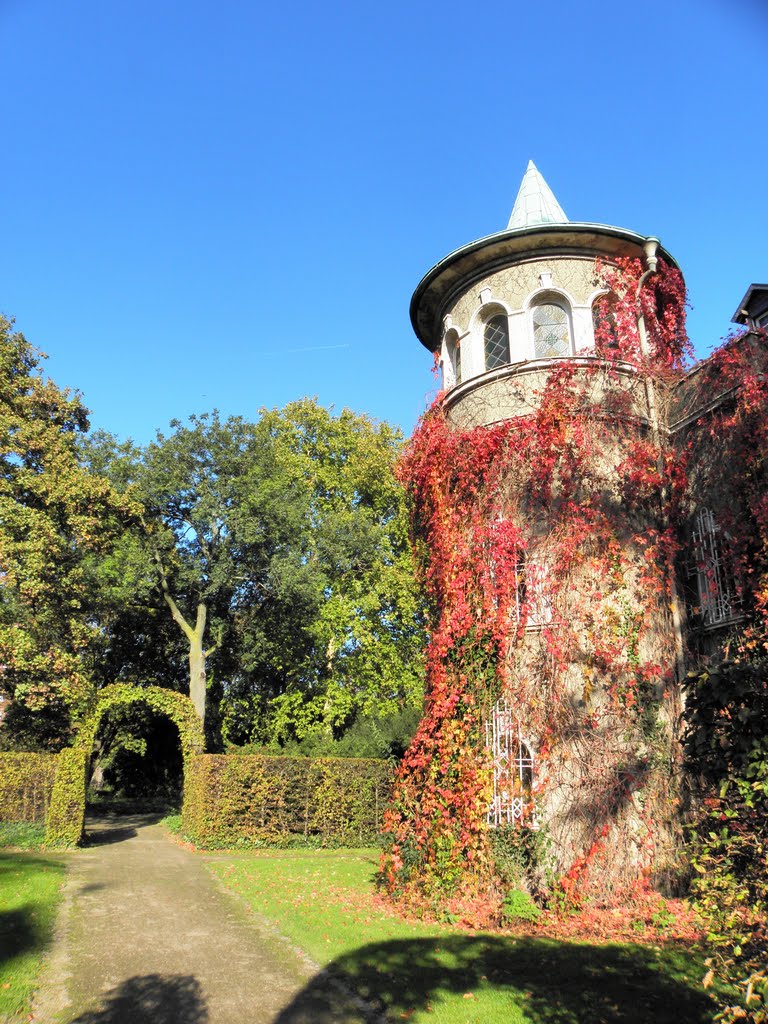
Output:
x,y
551,330
496,337
604,324
454,354
513,766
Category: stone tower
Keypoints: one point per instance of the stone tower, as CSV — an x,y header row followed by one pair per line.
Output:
x,y
542,483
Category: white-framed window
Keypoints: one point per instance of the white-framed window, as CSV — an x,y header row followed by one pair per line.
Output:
x,y
496,341
513,769
536,595
718,595
519,583
453,349
552,328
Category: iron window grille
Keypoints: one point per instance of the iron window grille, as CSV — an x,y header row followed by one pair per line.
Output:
x,y
530,602
719,600
513,768
454,354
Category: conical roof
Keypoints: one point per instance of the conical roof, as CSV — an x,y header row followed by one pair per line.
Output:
x,y
535,203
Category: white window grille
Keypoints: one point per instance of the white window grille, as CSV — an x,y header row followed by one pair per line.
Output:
x,y
536,596
512,769
530,598
718,596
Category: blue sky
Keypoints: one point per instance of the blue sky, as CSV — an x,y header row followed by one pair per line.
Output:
x,y
229,205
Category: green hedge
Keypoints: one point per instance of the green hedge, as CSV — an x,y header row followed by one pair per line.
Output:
x,y
66,817
253,800
26,781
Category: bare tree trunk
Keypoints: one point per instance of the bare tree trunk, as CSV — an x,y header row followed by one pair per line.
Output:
x,y
197,655
195,636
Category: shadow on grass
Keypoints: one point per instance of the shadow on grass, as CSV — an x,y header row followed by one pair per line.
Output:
x,y
17,932
21,929
151,999
544,981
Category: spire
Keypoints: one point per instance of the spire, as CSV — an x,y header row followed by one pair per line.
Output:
x,y
535,203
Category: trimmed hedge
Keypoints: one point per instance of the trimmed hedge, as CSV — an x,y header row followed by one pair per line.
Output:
x,y
253,800
26,782
66,816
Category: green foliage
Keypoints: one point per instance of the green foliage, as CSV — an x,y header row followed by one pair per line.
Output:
x,y
250,800
175,706
727,747
173,823
518,906
21,835
54,515
26,781
726,711
381,737
520,854
67,809
64,824
278,553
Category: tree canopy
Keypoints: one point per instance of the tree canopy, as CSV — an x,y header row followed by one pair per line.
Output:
x,y
279,551
54,515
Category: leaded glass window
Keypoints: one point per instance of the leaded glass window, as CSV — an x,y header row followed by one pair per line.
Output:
x,y
496,342
551,331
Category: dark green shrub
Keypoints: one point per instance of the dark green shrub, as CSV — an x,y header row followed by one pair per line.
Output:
x,y
518,906
519,854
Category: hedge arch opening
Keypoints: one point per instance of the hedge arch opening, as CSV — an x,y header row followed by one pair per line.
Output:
x,y
66,814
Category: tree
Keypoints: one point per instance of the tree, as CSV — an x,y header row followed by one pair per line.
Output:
x,y
279,551
359,636
54,515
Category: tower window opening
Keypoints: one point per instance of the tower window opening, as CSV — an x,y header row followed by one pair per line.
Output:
x,y
496,336
513,767
525,592
712,566
604,324
551,331
453,347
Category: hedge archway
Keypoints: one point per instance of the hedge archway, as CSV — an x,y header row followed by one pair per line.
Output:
x,y
66,814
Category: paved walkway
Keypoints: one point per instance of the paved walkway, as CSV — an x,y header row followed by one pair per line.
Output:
x,y
146,935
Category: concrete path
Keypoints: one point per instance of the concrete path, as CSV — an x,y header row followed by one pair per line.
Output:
x,y
146,935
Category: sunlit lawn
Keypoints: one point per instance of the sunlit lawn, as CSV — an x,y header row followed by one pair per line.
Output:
x,y
323,902
30,886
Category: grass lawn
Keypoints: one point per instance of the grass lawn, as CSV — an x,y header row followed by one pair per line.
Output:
x,y
30,885
324,902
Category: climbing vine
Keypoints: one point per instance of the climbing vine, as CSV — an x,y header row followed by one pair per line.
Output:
x,y
547,547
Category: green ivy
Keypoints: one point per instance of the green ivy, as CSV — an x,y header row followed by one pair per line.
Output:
x,y
66,814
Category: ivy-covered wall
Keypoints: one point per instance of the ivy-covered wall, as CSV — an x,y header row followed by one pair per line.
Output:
x,y
26,781
64,824
252,800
